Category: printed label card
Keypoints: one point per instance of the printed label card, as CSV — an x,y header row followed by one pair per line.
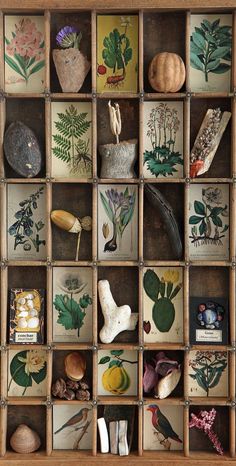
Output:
x,y
163,304
210,52
72,427
209,222
117,372
162,427
208,321
117,53
163,139
208,373
26,222
72,304
27,372
71,140
24,54
117,222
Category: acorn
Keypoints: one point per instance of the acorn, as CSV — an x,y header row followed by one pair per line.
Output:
x,y
68,222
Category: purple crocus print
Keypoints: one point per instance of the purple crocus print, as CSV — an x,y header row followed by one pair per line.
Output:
x,y
69,37
119,207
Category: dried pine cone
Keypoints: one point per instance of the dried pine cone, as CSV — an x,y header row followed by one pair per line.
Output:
x,y
59,388
69,395
84,385
82,395
72,385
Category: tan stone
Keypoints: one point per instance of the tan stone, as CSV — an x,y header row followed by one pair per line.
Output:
x,y
72,68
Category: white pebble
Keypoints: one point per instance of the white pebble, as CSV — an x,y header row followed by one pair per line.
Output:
x,y
30,303
23,314
33,322
21,300
33,313
29,296
22,323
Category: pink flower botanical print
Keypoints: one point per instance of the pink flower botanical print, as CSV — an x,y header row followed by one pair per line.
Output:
x,y
204,421
24,51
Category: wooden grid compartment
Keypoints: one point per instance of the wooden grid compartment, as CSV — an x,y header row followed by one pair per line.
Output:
x,y
162,26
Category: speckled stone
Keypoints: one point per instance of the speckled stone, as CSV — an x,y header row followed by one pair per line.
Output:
x,y
118,159
72,68
22,150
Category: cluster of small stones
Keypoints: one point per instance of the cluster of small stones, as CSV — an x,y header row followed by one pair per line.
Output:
x,y
204,142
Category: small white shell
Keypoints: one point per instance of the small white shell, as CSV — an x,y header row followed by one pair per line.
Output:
x,y
29,296
33,313
33,322
23,314
21,308
30,303
22,322
21,300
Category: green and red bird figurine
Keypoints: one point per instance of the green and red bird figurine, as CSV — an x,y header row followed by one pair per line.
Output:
x,y
161,424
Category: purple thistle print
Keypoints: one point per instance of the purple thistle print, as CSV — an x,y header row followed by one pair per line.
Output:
x,y
69,37
119,208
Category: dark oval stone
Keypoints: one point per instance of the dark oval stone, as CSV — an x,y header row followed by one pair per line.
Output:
x,y
22,150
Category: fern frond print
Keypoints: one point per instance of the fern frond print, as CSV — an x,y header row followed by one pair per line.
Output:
x,y
71,138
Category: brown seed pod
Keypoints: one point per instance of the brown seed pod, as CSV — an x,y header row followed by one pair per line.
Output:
x,y
75,365
59,388
166,72
82,395
69,395
84,385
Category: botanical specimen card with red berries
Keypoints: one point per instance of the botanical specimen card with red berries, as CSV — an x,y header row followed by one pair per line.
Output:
x,y
72,304
162,427
209,221
210,52
163,304
26,221
72,427
71,130
117,53
163,139
24,53
117,222
208,373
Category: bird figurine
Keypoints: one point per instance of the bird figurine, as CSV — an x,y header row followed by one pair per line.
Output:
x,y
162,425
75,421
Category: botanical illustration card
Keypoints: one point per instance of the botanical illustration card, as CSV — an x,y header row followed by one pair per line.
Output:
x,y
208,373
26,222
209,222
163,304
26,316
162,427
27,373
117,222
72,427
210,52
117,372
71,139
163,139
72,304
24,53
117,53
208,321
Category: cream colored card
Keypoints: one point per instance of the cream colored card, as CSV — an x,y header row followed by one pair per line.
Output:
x,y
26,222
208,224
71,144
210,52
24,54
154,436
72,427
208,373
117,372
163,304
27,371
117,222
72,304
163,139
117,53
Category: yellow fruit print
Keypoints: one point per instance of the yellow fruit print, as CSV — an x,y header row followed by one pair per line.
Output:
x,y
116,380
